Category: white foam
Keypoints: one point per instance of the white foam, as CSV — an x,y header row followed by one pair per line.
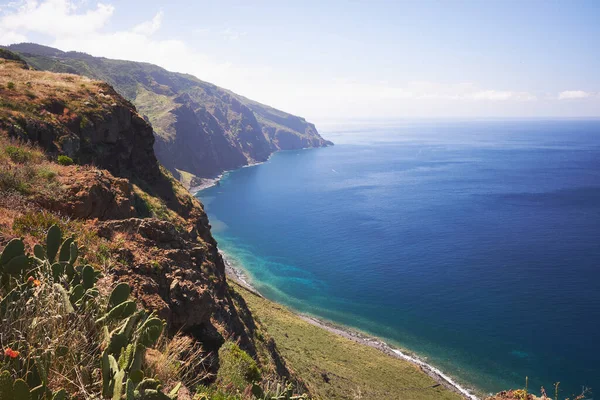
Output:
x,y
436,371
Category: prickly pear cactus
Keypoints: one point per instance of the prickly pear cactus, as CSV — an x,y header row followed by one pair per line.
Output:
x,y
53,241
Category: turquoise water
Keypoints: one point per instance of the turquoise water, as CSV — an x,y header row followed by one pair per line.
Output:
x,y
474,244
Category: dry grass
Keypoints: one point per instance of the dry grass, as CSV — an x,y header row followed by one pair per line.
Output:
x,y
40,328
57,100
178,359
24,168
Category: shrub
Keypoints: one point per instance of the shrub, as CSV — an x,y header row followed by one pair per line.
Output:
x,y
11,180
10,85
46,173
34,223
236,367
18,154
84,122
65,160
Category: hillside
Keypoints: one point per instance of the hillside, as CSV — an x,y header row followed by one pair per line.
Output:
x,y
76,155
201,130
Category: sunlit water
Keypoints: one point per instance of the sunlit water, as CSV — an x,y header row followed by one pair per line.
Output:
x,y
474,244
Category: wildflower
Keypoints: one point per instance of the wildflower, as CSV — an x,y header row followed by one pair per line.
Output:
x,y
8,352
33,281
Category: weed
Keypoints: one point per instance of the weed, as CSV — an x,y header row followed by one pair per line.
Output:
x,y
34,223
65,160
46,173
18,154
237,368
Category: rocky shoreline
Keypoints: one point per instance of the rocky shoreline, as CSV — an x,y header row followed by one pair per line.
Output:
x,y
239,277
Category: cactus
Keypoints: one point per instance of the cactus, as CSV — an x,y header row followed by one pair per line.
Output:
x,y
65,250
66,300
118,385
132,332
13,249
16,265
13,260
6,385
73,253
119,295
87,277
58,270
106,373
129,390
21,390
39,252
77,293
53,241
60,395
151,331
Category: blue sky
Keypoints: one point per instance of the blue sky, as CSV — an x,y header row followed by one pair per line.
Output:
x,y
349,59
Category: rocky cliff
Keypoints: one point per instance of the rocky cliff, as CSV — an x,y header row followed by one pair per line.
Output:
x,y
74,152
201,129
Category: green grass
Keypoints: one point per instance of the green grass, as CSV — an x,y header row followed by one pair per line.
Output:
x,y
18,154
65,160
353,371
236,368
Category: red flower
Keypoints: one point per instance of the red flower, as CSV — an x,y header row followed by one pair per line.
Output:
x,y
8,352
33,281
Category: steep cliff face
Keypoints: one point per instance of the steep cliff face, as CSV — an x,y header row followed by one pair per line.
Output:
x,y
200,129
140,223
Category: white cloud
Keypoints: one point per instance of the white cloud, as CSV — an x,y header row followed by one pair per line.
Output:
x,y
503,95
11,37
573,94
69,25
57,18
149,27
232,34
425,90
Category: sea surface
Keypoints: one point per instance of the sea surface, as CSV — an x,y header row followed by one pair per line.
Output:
x,y
473,244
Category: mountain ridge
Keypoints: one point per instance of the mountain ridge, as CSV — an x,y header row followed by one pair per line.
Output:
x,y
201,129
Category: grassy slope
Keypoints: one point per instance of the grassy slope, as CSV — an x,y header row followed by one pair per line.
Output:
x,y
355,371
128,76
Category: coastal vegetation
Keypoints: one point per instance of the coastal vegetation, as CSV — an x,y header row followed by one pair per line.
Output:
x,y
334,367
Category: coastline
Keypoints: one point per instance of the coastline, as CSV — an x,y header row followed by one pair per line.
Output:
x,y
239,277
206,183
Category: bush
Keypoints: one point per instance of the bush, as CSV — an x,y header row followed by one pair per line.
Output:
x,y
18,155
10,85
47,173
236,367
11,180
65,160
34,223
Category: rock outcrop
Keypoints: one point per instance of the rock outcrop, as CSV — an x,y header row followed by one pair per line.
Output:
x,y
88,193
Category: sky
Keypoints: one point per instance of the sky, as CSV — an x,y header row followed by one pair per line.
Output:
x,y
335,60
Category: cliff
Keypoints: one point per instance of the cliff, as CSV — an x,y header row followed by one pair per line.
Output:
x,y
76,154
201,129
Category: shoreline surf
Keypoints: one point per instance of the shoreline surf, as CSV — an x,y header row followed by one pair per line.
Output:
x,y
236,274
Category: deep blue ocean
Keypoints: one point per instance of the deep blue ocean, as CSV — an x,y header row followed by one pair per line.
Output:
x,y
474,244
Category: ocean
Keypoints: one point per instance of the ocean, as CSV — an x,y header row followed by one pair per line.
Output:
x,y
473,244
